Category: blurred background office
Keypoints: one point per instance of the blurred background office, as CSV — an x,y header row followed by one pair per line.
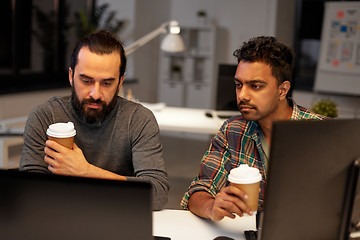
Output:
x,y
38,36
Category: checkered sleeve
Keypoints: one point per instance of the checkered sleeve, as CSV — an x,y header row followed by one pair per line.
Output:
x,y
212,175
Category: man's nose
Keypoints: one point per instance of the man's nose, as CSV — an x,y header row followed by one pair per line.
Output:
x,y
95,91
243,94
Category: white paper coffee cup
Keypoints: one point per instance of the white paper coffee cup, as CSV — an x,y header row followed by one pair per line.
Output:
x,y
62,133
248,180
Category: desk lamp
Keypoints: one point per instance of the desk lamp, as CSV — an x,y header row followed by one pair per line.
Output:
x,y
172,42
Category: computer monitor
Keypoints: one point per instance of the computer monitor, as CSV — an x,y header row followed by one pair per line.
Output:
x,y
311,180
42,206
226,95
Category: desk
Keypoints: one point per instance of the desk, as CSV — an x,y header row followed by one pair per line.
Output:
x,y
190,120
181,224
175,119
178,119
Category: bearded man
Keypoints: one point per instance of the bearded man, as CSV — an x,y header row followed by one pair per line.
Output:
x,y
116,138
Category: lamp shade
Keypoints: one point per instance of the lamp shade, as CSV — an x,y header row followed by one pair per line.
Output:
x,y
172,43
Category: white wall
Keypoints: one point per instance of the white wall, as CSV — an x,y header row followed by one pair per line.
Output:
x,y
285,21
237,20
149,16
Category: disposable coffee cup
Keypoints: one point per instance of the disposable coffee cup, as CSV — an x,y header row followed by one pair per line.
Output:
x,y
62,133
248,180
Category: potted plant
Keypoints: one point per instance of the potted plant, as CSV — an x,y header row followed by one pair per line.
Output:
x,y
325,107
85,25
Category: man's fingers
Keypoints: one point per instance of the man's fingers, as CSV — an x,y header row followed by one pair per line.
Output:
x,y
219,214
232,190
237,197
228,205
55,146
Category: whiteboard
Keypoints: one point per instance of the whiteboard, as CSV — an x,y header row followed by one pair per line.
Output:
x,y
338,69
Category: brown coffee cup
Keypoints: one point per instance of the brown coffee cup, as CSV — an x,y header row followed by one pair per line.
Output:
x,y
62,133
248,180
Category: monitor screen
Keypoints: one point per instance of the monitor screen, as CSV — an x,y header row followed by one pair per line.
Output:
x,y
310,182
226,96
44,206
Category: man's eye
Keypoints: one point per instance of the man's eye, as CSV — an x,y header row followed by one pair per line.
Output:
x,y
107,83
237,85
255,86
86,81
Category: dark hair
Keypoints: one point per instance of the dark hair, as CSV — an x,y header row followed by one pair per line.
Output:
x,y
270,51
100,42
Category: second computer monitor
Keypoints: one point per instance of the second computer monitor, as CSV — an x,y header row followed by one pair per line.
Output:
x,y
310,172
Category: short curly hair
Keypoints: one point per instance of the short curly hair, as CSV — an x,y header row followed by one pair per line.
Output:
x,y
270,51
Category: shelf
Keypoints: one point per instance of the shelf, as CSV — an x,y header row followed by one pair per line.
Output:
x,y
190,73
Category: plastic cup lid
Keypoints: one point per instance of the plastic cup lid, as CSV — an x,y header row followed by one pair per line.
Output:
x,y
244,175
61,130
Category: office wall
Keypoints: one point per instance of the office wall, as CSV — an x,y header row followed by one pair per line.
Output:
x,y
237,21
285,21
149,16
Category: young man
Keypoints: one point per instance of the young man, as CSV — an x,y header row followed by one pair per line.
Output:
x,y
262,82
115,138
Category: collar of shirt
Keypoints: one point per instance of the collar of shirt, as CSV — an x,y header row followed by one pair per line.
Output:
x,y
296,113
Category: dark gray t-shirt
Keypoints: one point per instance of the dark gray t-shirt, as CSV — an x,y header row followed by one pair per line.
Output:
x,y
126,143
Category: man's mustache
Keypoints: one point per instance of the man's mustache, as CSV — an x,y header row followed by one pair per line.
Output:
x,y
243,104
91,100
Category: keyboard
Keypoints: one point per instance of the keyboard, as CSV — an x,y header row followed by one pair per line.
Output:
x,y
161,238
250,235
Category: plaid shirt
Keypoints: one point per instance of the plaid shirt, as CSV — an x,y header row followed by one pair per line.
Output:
x,y
237,142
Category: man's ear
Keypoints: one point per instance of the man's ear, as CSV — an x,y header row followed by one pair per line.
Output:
x,y
71,76
284,89
121,81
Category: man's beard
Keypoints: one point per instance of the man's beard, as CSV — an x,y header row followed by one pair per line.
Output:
x,y
252,115
91,115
